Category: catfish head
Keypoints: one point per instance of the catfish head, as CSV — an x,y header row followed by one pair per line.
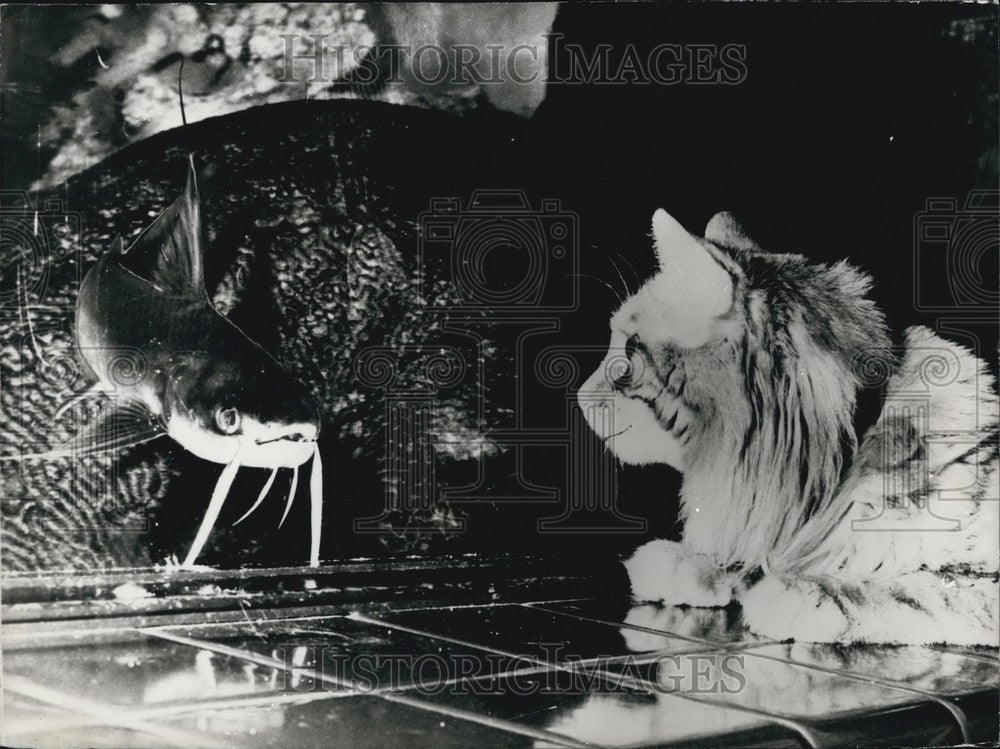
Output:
x,y
214,407
210,388
216,392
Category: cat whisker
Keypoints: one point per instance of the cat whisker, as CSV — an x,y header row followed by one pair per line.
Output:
x,y
609,287
618,271
628,263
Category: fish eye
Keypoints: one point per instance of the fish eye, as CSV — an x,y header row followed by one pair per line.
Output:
x,y
227,420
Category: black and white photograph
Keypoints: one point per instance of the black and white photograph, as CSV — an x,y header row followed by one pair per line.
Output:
x,y
585,374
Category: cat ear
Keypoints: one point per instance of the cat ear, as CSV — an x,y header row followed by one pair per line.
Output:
x,y
692,276
725,231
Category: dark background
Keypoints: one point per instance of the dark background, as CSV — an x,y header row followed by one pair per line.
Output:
x,y
851,117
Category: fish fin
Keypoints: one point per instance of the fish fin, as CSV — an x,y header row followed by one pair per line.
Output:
x,y
250,300
77,397
120,425
117,426
168,253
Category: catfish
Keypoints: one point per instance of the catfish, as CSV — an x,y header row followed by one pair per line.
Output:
x,y
311,254
205,383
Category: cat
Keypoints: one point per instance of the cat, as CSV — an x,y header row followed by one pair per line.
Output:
x,y
742,369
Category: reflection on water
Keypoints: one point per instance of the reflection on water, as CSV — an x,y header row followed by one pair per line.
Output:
x,y
655,675
638,719
146,673
922,668
711,625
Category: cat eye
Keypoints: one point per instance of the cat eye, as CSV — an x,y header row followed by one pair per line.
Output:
x,y
631,345
630,372
227,420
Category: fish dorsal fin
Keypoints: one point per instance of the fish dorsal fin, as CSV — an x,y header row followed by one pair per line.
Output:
x,y
168,252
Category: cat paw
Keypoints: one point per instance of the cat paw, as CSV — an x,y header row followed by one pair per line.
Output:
x,y
799,611
664,571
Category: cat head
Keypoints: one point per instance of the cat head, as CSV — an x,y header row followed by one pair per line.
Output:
x,y
737,367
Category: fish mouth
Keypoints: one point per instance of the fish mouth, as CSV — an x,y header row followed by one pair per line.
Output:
x,y
293,437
